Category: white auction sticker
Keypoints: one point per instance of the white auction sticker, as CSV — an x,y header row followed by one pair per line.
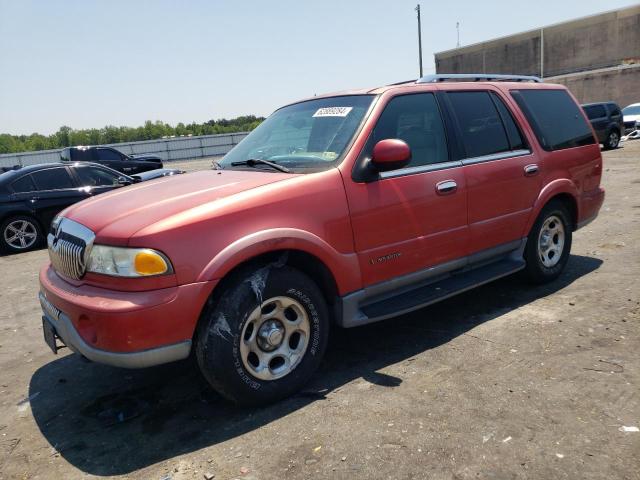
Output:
x,y
333,112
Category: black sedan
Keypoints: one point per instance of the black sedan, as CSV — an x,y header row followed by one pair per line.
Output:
x,y
31,196
112,158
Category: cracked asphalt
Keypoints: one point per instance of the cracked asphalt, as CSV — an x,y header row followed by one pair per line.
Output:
x,y
505,381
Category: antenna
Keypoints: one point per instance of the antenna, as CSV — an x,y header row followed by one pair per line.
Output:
x,y
419,39
458,31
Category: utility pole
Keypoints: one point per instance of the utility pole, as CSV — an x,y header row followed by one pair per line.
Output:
x,y
419,40
458,31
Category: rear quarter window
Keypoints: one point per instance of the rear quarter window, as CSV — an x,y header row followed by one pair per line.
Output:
x,y
555,118
23,184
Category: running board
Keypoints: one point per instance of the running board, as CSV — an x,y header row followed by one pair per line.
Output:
x,y
449,286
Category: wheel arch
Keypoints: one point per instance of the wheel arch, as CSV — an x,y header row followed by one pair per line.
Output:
x,y
338,273
562,190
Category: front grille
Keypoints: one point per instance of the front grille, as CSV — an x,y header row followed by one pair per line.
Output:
x,y
69,247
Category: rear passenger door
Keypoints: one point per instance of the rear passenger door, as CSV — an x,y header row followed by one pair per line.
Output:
x,y
499,168
415,217
56,190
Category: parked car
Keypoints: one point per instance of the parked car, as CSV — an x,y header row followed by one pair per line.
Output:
x,y
631,115
606,120
112,158
342,209
31,196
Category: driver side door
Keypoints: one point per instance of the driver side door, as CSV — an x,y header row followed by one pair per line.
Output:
x,y
413,218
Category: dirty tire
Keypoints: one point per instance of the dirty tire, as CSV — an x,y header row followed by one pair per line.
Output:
x,y
222,324
536,272
31,231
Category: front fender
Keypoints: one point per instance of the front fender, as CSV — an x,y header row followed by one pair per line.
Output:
x,y
343,266
561,186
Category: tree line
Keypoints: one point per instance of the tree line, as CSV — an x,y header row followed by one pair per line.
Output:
x,y
67,136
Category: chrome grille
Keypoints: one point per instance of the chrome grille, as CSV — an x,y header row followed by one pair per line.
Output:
x,y
69,247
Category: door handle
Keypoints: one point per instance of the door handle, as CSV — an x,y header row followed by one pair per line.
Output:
x,y
34,199
530,170
446,187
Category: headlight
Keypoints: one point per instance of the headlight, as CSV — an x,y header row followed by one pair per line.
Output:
x,y
127,262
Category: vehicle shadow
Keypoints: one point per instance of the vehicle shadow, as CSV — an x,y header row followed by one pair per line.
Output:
x,y
109,421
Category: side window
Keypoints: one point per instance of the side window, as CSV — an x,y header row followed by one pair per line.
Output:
x,y
479,122
52,179
96,177
23,184
108,154
595,111
614,109
416,120
516,139
555,118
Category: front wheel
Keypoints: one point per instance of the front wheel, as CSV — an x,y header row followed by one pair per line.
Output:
x,y
263,335
612,141
20,234
548,244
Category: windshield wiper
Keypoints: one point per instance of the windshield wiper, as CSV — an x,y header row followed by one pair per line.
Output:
x,y
252,162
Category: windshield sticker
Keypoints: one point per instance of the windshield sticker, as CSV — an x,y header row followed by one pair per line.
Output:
x,y
333,112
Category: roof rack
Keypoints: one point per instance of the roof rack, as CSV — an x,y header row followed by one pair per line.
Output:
x,y
477,77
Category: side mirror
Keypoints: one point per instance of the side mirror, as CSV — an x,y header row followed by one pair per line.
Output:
x,y
124,181
391,154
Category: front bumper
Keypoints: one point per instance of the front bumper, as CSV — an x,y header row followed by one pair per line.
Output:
x,y
123,329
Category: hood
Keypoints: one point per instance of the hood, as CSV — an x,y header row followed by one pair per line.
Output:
x,y
115,216
631,118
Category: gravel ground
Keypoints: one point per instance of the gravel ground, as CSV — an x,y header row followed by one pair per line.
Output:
x,y
506,381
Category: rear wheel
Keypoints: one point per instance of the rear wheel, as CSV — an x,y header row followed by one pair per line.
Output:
x,y
613,140
263,335
20,234
549,244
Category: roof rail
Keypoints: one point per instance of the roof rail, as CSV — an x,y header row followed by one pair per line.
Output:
x,y
477,77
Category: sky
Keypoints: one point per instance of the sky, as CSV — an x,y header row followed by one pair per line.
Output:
x,y
90,63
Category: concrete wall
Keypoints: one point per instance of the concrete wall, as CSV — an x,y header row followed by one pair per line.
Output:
x,y
168,149
599,41
620,84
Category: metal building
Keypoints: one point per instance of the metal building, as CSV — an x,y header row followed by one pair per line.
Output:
x,y
596,57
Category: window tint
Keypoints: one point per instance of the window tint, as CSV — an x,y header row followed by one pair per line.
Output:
x,y
595,111
614,109
482,129
516,140
107,154
52,179
23,184
96,177
416,120
555,118
81,155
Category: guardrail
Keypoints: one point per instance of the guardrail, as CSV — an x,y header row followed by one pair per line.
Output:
x,y
169,149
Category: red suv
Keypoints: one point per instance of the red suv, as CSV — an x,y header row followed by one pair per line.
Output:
x,y
346,208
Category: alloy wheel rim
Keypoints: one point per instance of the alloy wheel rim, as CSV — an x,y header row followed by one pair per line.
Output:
x,y
613,139
20,234
275,338
551,241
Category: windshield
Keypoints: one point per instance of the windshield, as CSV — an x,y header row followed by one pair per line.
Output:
x,y
306,136
631,110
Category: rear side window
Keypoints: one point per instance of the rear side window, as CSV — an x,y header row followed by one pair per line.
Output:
x,y
52,179
23,184
416,120
516,140
480,124
595,111
555,118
